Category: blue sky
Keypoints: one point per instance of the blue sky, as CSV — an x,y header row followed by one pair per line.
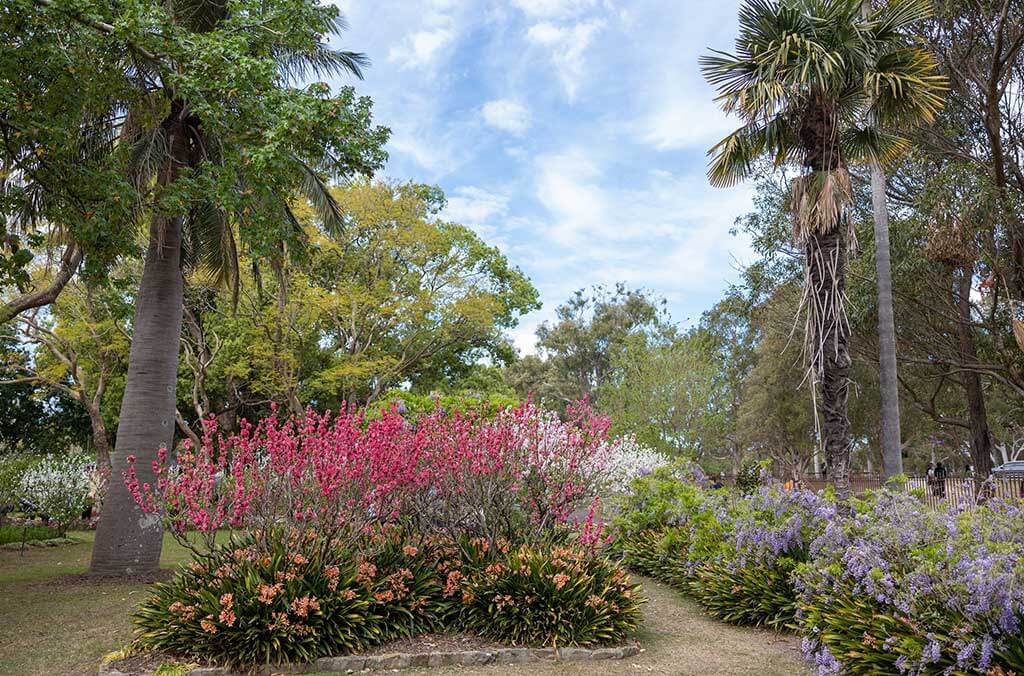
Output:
x,y
570,133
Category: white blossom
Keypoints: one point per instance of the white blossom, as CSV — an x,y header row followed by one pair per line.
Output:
x,y
59,487
625,459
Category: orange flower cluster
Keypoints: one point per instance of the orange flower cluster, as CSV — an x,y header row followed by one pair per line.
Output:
x,y
332,573
454,582
301,607
366,573
185,613
269,592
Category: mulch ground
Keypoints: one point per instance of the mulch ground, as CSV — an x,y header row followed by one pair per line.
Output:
x,y
87,579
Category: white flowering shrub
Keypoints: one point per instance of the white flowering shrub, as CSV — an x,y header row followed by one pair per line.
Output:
x,y
59,488
625,459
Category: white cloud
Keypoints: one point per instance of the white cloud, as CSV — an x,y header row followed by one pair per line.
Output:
x,y
667,232
472,205
433,154
524,336
610,188
553,8
507,115
419,49
680,121
567,45
567,187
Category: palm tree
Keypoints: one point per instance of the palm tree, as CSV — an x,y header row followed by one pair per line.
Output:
x,y
187,169
888,382
820,86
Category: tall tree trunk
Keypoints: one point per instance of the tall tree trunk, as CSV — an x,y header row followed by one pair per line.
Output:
x,y
128,542
826,258
981,442
100,441
892,455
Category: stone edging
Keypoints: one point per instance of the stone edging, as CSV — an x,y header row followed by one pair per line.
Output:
x,y
51,542
468,658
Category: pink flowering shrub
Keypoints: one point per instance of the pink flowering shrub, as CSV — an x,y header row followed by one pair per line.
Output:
x,y
518,475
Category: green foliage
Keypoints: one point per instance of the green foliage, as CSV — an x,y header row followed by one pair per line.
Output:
x,y
857,630
553,597
669,394
399,297
12,467
734,553
578,348
751,475
295,598
34,419
59,488
745,594
415,404
659,498
728,587
407,590
244,606
407,296
10,534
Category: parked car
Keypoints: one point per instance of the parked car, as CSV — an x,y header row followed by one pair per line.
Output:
x,y
1015,468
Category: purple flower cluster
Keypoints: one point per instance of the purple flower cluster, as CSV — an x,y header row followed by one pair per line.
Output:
x,y
963,572
824,661
771,523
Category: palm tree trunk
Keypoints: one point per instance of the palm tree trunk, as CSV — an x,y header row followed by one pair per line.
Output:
x,y
128,542
892,456
826,260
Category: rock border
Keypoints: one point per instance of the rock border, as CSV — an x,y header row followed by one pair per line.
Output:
x,y
49,542
466,658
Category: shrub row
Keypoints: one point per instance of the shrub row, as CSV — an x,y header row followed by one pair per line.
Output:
x,y
735,555
292,597
884,586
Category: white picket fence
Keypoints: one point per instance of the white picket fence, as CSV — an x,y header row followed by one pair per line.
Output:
x,y
963,492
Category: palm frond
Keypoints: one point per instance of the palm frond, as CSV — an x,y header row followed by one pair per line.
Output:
x,y
321,60
98,135
209,245
200,16
904,88
892,17
148,152
315,189
733,157
817,202
872,145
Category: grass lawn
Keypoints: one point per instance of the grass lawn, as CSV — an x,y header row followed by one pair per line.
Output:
x,y
55,622
55,625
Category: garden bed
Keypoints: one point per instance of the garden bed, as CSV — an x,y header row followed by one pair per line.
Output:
x,y
425,651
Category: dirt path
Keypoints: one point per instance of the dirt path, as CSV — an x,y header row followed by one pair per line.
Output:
x,y
679,639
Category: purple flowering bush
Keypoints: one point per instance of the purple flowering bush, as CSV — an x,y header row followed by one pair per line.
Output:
x,y
734,554
897,587
883,585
